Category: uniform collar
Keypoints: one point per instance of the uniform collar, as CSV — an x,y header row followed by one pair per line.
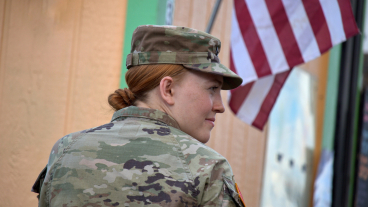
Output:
x,y
133,111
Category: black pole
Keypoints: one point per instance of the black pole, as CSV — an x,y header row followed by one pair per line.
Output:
x,y
345,114
213,16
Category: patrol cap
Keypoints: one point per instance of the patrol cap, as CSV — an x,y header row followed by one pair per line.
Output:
x,y
196,50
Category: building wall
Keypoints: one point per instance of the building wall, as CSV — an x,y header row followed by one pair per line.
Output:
x,y
59,60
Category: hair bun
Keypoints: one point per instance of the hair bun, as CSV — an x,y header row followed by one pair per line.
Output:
x,y
121,98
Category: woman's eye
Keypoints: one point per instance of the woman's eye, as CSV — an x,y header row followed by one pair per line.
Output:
x,y
214,88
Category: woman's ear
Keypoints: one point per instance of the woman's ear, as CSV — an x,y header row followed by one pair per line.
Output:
x,y
166,90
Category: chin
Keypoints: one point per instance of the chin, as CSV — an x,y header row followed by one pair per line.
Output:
x,y
204,140
202,136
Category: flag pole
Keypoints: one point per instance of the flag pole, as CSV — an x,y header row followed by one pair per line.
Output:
x,y
213,16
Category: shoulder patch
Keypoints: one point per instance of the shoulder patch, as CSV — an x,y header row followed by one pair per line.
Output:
x,y
233,191
240,194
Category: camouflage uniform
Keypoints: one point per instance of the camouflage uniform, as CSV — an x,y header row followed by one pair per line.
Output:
x,y
140,158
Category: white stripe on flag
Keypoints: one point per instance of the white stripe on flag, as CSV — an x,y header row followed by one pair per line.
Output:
x,y
239,51
332,14
268,36
302,29
252,104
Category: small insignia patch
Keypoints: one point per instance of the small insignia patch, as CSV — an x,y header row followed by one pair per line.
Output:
x,y
240,195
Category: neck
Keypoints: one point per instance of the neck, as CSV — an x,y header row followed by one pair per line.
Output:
x,y
142,104
153,105
160,107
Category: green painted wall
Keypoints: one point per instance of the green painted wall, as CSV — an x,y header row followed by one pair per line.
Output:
x,y
331,99
140,12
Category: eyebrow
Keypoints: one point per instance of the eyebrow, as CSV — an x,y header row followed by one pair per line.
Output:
x,y
217,81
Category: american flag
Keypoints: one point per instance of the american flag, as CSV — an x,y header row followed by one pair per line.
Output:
x,y
270,37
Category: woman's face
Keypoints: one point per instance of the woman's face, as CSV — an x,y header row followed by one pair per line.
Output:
x,y
197,100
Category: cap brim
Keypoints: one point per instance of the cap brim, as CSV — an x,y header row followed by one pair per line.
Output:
x,y
231,79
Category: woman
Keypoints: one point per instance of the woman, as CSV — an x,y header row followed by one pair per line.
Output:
x,y
152,152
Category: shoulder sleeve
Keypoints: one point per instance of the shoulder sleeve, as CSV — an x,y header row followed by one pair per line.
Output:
x,y
211,170
221,189
58,148
42,182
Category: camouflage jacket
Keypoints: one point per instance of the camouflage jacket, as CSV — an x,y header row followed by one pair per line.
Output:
x,y
140,158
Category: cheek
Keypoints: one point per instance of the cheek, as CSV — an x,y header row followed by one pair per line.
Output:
x,y
203,104
195,105
192,98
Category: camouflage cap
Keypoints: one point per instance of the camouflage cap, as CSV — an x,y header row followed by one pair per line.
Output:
x,y
196,50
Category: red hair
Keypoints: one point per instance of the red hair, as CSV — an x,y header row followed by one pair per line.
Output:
x,y
140,80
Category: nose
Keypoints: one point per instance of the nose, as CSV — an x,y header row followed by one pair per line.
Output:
x,y
218,106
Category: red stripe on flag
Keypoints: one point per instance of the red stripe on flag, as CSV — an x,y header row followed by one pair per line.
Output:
x,y
270,100
318,22
284,32
347,17
238,96
251,39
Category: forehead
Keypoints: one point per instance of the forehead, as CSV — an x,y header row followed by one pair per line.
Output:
x,y
203,78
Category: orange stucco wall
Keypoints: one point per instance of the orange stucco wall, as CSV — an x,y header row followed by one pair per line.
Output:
x,y
59,60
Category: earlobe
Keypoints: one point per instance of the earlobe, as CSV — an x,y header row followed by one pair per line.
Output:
x,y
166,90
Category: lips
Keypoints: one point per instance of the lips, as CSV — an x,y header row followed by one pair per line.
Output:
x,y
211,119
